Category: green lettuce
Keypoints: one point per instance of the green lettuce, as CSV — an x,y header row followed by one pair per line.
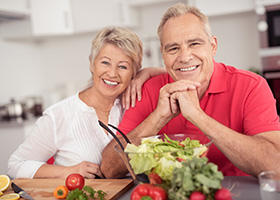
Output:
x,y
161,156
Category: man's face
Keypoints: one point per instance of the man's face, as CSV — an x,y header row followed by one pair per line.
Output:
x,y
186,49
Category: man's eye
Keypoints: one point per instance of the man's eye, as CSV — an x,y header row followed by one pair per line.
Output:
x,y
194,44
173,50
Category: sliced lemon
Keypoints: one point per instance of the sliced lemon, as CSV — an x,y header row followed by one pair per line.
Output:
x,y
4,182
1,193
12,196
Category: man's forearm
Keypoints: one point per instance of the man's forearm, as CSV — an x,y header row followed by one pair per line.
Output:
x,y
112,166
251,154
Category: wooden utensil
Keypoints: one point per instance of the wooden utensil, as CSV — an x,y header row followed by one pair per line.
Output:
x,y
42,189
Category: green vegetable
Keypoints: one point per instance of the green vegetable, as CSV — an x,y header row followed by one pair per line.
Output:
x,y
162,156
86,193
195,175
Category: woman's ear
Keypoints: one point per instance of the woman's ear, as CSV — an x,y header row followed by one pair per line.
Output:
x,y
91,67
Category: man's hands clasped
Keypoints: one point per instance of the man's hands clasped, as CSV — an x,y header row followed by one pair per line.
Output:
x,y
178,97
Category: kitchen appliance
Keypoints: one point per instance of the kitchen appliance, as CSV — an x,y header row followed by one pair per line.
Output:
x,y
12,110
269,25
273,80
269,35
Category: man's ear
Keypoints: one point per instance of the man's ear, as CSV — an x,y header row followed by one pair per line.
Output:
x,y
214,45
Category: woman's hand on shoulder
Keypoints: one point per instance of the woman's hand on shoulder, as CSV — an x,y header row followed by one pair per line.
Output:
x,y
133,91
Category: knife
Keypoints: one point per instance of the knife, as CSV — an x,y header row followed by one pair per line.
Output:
x,y
21,192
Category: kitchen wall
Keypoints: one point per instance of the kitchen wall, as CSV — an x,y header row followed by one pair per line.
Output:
x,y
57,67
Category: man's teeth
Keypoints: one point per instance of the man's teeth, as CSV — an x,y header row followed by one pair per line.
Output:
x,y
188,69
110,83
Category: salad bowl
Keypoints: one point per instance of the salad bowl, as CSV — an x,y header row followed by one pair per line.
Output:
x,y
154,158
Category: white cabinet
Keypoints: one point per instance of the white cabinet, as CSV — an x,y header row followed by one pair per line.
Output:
x,y
63,17
222,7
12,135
49,17
91,15
14,9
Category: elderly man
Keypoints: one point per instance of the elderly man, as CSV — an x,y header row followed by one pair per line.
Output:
x,y
236,108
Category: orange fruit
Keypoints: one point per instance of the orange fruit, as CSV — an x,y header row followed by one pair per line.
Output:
x,y
4,182
11,196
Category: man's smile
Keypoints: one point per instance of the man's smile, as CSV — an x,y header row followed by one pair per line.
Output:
x,y
185,69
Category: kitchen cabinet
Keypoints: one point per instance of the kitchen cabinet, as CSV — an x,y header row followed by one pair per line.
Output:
x,y
65,17
222,7
14,9
12,134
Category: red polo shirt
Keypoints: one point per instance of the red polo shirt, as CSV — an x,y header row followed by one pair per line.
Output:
x,y
239,99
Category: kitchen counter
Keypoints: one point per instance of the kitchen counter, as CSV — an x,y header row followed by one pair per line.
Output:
x,y
42,189
17,122
243,188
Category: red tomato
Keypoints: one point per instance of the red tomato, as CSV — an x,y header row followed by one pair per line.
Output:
x,y
197,196
74,181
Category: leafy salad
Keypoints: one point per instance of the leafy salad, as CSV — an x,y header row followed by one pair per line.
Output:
x,y
161,156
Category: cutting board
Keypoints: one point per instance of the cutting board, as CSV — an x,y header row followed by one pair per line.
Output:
x,y
42,189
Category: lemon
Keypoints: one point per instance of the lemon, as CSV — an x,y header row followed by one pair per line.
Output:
x,y
4,182
12,196
1,193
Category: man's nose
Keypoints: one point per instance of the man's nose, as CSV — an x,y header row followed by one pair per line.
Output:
x,y
185,54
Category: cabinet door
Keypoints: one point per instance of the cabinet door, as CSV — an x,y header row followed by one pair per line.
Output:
x,y
51,17
91,15
16,7
222,7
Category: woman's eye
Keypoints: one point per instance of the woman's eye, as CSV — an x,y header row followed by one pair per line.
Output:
x,y
105,62
122,67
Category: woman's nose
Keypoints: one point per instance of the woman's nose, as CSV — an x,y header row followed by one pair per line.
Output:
x,y
113,71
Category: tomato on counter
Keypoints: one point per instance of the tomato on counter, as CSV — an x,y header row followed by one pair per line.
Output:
x,y
74,181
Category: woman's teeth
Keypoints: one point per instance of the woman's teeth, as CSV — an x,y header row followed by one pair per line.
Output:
x,y
188,69
111,83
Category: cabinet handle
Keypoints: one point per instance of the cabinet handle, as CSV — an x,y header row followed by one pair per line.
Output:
x,y
66,21
28,4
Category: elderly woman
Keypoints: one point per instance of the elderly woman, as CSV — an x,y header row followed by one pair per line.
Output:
x,y
69,130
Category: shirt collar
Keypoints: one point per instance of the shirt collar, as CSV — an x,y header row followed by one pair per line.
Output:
x,y
218,80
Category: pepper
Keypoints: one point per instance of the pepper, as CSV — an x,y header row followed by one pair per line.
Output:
x,y
147,191
60,192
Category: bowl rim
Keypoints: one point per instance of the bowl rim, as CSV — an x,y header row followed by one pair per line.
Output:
x,y
208,144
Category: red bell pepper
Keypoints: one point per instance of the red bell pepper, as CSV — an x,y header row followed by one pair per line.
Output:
x,y
147,191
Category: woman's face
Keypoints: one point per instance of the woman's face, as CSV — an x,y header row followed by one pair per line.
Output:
x,y
112,71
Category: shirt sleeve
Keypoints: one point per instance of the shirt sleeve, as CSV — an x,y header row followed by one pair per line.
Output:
x,y
134,116
38,147
260,114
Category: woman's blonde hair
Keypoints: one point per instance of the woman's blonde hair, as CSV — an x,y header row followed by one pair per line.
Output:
x,y
122,38
181,9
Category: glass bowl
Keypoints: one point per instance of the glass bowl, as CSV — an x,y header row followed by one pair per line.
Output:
x,y
160,154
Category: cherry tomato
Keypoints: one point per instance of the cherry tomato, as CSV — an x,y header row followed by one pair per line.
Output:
x,y
74,181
